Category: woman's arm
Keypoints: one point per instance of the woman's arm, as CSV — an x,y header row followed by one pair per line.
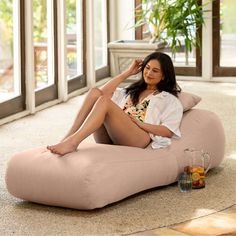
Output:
x,y
159,130
164,118
111,85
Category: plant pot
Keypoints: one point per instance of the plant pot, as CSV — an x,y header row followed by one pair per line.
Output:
x,y
122,53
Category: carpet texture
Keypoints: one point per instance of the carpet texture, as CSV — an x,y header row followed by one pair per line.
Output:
x,y
152,209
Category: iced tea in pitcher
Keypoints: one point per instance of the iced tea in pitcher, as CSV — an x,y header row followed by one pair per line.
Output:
x,y
200,164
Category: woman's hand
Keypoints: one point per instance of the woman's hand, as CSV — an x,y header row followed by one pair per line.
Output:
x,y
159,130
135,67
136,121
111,85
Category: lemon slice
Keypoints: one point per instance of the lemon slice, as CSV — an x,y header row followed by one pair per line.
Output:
x,y
200,169
195,176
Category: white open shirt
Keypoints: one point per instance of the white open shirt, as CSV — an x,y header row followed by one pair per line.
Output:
x,y
163,109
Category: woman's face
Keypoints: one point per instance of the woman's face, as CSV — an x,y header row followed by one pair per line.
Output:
x,y
152,73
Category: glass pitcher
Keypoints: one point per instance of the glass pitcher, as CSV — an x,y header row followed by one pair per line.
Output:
x,y
200,163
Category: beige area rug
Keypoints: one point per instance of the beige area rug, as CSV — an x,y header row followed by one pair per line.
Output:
x,y
152,209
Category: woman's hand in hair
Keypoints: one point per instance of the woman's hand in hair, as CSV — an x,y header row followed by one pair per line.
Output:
x,y
111,85
135,67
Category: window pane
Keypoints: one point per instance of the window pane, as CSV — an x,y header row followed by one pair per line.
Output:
x,y
74,38
9,83
228,33
100,34
43,43
180,58
40,35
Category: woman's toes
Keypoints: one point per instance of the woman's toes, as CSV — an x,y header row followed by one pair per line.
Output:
x,y
53,150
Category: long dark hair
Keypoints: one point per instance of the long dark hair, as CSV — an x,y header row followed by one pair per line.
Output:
x,y
169,83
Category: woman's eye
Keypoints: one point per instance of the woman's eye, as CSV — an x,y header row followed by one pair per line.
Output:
x,y
156,71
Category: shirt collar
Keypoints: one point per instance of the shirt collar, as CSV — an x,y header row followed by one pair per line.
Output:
x,y
161,94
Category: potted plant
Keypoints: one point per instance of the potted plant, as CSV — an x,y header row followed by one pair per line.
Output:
x,y
173,24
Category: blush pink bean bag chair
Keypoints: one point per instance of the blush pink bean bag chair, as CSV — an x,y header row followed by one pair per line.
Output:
x,y
98,174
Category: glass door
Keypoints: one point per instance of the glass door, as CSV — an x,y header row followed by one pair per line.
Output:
x,y
40,39
12,91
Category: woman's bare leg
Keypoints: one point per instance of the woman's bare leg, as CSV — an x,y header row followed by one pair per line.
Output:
x,y
86,107
120,127
101,136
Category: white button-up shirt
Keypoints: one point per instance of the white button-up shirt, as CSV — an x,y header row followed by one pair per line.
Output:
x,y
163,109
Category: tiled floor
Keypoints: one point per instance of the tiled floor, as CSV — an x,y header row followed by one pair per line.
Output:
x,y
219,224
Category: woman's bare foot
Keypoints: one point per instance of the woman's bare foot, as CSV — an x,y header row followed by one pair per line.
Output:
x,y
63,148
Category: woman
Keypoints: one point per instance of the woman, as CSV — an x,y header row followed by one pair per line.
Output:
x,y
147,110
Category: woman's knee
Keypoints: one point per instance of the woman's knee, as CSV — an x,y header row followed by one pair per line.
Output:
x,y
104,99
105,103
95,92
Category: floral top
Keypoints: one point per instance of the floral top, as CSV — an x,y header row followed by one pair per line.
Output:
x,y
137,111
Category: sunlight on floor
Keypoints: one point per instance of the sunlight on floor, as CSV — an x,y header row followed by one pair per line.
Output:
x,y
228,89
203,211
233,155
220,223
230,93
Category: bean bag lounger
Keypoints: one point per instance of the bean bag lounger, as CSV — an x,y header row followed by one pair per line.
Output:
x,y
99,174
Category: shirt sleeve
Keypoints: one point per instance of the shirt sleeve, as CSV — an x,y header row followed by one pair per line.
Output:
x,y
171,115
